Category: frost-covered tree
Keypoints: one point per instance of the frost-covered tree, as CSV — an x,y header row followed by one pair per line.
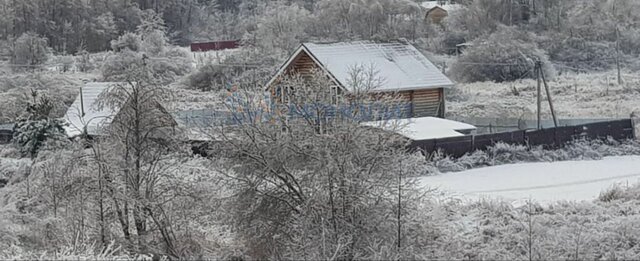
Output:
x,y
366,19
302,177
29,51
142,134
149,46
128,41
281,28
34,129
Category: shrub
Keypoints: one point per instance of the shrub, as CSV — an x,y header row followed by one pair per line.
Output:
x,y
165,61
502,153
211,77
450,41
67,63
585,55
128,41
31,135
505,55
83,61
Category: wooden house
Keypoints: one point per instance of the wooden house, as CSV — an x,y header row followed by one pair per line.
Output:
x,y
438,10
436,14
406,73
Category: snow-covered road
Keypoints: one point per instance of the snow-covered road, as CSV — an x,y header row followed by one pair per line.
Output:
x,y
543,182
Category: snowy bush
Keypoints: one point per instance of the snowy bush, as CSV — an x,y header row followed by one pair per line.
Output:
x,y
619,193
149,48
66,62
84,62
584,54
127,41
206,78
496,230
31,135
502,153
630,41
506,55
449,42
36,128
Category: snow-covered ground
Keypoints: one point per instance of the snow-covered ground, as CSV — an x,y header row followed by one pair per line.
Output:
x,y
584,95
543,182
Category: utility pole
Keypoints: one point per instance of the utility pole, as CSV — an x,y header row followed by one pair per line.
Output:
x,y
541,79
81,103
614,14
618,55
538,99
399,210
546,87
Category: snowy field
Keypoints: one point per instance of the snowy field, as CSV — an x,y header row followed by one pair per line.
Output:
x,y
543,182
586,95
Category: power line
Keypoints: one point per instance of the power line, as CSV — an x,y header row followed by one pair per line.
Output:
x,y
496,64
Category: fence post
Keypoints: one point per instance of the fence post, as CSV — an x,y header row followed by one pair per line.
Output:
x,y
635,124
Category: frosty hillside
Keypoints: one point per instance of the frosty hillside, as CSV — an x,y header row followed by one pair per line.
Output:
x,y
319,130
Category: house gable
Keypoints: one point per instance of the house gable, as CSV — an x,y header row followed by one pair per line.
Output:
x,y
301,62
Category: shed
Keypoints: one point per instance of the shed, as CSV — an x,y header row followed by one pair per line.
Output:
x,y
405,71
85,114
438,10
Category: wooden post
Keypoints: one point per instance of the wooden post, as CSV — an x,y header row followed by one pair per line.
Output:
x,y
635,122
81,103
618,55
539,100
399,210
546,87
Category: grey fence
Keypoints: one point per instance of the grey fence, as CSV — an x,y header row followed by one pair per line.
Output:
x,y
6,133
549,138
487,125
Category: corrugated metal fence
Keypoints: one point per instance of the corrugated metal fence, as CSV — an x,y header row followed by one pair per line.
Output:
x,y
6,133
549,138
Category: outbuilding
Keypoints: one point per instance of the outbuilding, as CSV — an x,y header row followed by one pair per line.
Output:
x,y
86,116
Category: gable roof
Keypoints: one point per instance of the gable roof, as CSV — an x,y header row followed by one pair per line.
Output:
x,y
436,8
400,65
94,118
429,5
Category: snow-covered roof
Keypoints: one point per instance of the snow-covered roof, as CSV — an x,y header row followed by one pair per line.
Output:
x,y
400,65
446,6
424,128
94,118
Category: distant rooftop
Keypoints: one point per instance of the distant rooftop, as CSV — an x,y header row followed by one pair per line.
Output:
x,y
399,64
446,6
94,117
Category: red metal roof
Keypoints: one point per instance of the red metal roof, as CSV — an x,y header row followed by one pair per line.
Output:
x,y
214,46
